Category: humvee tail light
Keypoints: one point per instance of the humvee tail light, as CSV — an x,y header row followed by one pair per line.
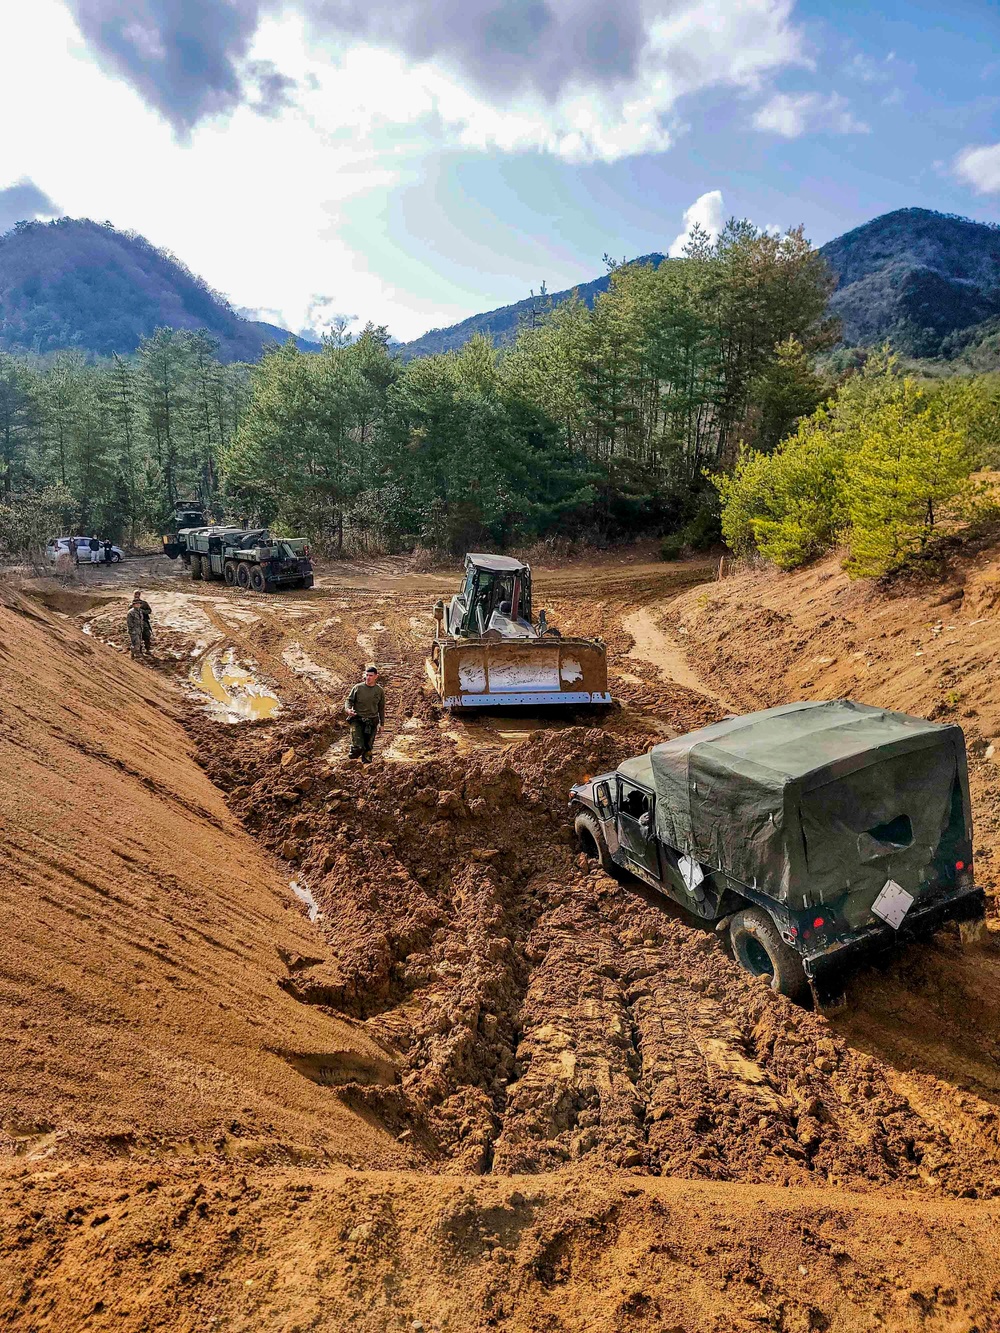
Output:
x,y
818,922
959,865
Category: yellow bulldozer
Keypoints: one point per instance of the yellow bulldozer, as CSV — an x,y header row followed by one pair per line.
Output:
x,y
490,651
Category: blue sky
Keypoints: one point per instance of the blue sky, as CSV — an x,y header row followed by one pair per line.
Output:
x,y
413,163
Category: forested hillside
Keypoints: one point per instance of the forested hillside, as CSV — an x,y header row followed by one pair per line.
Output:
x,y
915,277
80,284
597,422
503,325
925,281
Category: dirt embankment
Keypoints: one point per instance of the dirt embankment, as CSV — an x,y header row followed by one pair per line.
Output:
x,y
142,931
200,1247
594,1119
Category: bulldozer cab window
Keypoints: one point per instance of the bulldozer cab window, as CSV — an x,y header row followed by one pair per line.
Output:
x,y
482,608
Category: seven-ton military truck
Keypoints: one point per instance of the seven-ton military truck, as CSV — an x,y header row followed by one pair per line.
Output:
x,y
815,833
247,558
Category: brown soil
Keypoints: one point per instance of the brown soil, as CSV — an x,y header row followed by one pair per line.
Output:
x,y
565,1105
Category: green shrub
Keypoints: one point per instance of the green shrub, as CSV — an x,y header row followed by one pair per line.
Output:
x,y
876,466
671,547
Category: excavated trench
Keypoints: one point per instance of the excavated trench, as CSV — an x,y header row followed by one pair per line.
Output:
x,y
540,1013
534,1012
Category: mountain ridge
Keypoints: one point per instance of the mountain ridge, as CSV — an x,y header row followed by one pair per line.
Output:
x,y
914,276
928,282
502,323
78,283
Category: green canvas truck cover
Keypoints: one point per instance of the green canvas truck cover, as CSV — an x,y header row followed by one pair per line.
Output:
x,y
808,800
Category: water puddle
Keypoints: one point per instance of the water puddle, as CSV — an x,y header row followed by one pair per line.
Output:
x,y
239,696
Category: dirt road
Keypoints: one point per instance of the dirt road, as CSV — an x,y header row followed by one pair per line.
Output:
x,y
520,1014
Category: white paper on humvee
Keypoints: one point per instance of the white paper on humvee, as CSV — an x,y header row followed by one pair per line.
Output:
x,y
817,832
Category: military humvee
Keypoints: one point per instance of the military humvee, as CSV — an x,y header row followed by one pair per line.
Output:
x,y
815,833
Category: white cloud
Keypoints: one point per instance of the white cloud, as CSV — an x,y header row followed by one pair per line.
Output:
x,y
980,167
792,114
705,212
261,206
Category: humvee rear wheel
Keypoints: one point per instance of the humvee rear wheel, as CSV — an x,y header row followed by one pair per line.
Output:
x,y
257,580
588,830
196,567
759,949
229,573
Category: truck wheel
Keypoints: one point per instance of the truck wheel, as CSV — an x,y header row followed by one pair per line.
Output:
x,y
242,577
196,567
759,949
257,580
588,830
229,573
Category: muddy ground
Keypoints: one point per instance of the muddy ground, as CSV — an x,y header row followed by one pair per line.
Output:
x,y
517,1015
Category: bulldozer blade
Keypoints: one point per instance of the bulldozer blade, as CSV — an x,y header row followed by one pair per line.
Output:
x,y
480,673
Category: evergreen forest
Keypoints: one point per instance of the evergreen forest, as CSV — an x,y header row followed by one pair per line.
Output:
x,y
690,394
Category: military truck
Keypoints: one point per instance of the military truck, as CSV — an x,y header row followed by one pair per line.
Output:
x,y
186,514
813,834
247,558
490,650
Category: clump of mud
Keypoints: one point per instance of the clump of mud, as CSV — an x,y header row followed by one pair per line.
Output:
x,y
545,1014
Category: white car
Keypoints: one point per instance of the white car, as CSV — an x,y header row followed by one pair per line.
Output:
x,y
58,546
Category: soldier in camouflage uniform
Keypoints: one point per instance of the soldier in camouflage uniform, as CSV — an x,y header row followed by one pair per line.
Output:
x,y
366,709
134,621
140,627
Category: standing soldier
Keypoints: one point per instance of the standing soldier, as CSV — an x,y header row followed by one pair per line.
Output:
x,y
366,709
134,622
146,626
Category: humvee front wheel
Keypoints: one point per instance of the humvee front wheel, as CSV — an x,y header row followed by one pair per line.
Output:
x,y
759,949
588,830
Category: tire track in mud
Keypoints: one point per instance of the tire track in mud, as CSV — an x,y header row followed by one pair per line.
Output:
x,y
542,1013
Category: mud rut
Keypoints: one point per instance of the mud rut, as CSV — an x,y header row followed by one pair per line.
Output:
x,y
532,1011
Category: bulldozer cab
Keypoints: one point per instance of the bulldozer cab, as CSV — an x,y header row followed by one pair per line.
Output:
x,y
493,585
